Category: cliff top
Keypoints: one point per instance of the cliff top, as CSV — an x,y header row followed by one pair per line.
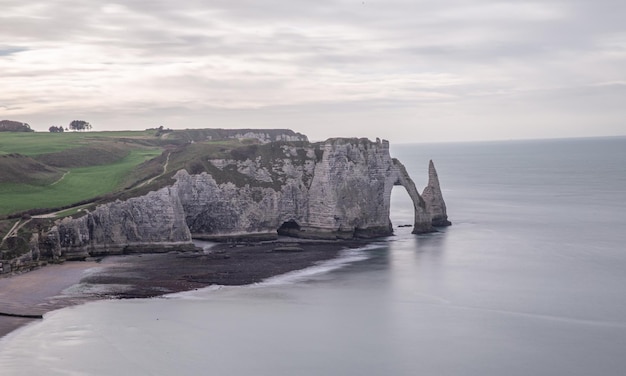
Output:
x,y
55,170
48,172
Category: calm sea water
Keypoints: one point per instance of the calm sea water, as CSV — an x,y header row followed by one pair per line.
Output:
x,y
530,280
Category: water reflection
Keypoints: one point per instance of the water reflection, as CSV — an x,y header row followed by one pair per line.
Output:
x,y
435,241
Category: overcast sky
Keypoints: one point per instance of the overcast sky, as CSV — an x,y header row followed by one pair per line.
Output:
x,y
437,70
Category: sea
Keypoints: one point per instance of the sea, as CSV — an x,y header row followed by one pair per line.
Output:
x,y
529,280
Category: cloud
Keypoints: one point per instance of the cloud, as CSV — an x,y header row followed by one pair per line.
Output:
x,y
9,50
254,63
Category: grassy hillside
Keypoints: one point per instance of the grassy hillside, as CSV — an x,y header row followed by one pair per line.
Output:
x,y
76,185
58,170
20,169
34,144
51,170
195,158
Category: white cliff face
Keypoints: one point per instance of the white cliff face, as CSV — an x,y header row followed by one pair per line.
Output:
x,y
262,135
266,137
351,189
340,189
337,189
433,197
133,225
214,211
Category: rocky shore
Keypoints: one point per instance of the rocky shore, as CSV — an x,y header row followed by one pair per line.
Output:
x,y
149,275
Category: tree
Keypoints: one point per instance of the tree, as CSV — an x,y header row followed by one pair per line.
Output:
x,y
80,125
54,129
14,126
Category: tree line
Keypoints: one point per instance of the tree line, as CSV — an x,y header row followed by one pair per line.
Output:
x,y
18,126
14,126
75,125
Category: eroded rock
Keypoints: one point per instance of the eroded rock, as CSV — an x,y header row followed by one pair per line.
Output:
x,y
338,189
435,205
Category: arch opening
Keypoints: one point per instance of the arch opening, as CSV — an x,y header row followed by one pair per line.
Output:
x,y
401,209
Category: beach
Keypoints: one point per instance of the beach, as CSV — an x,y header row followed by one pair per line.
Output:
x,y
37,292
149,275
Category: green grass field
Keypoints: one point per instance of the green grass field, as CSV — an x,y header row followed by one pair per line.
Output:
x,y
55,170
33,144
79,184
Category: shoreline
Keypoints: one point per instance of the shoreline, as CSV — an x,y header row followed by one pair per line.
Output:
x,y
34,293
150,275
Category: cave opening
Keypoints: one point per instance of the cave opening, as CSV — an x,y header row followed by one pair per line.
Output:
x,y
289,228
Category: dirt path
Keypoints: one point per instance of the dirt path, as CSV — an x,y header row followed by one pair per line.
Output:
x,y
61,178
10,231
167,161
13,231
54,214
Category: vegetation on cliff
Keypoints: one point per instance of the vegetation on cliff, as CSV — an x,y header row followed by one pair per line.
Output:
x,y
54,170
57,174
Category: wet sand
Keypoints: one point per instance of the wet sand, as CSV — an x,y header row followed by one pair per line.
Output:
x,y
149,275
37,292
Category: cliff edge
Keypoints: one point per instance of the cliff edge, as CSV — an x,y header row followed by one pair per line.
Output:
x,y
336,189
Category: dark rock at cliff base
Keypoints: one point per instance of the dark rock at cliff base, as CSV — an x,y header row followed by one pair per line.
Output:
x,y
288,248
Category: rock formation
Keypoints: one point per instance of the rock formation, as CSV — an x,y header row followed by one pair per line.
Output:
x,y
337,189
154,222
422,222
433,197
262,135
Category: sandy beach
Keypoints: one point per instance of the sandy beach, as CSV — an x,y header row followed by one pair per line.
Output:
x,y
38,292
149,275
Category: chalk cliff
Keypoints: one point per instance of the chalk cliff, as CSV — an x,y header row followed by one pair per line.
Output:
x,y
262,135
435,205
154,222
337,189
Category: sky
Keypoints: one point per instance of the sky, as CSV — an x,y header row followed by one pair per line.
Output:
x,y
407,71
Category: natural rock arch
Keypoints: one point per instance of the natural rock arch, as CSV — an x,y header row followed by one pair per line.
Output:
x,y
422,222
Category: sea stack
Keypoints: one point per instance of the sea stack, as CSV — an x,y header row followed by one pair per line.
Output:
x,y
433,197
